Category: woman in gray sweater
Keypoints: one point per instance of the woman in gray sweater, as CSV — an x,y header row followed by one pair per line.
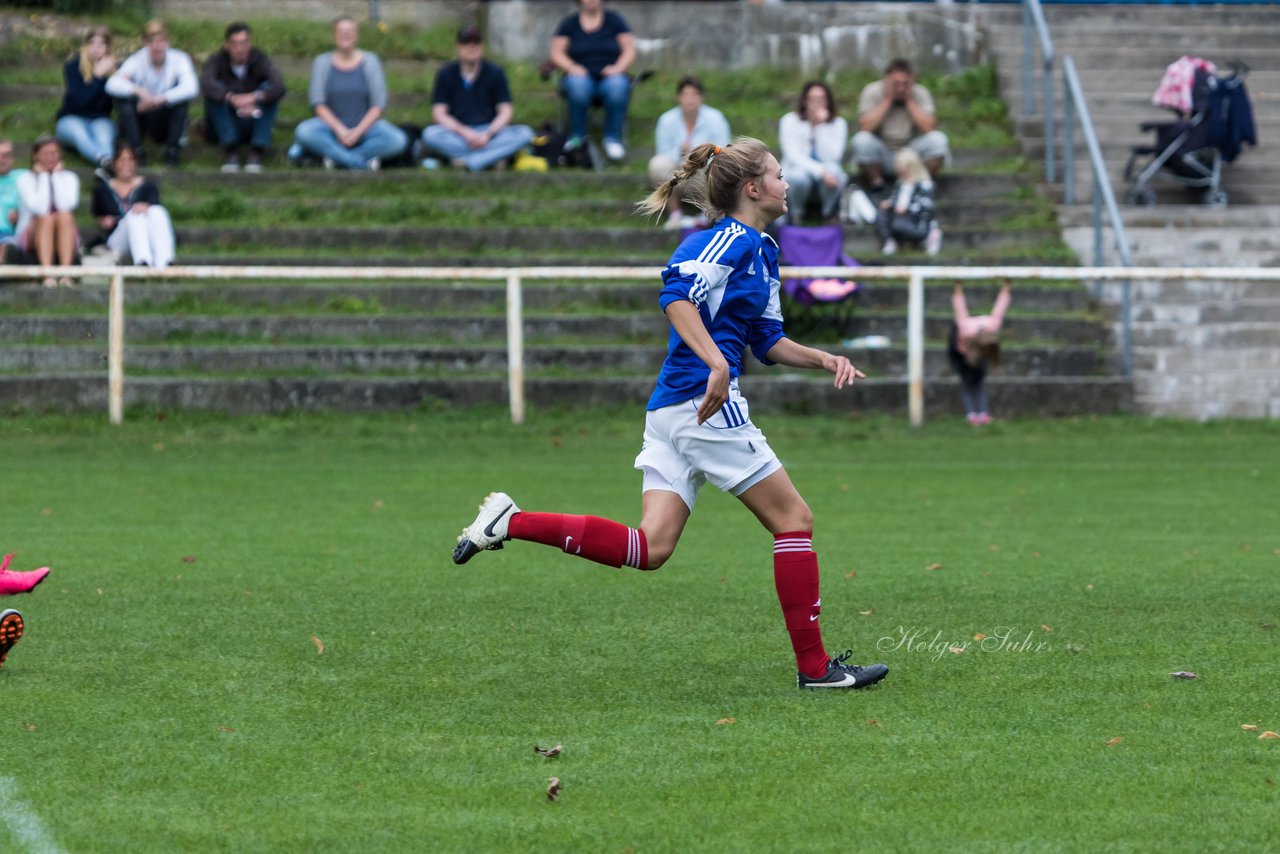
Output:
x,y
349,95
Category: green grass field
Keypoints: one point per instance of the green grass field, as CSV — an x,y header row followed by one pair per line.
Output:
x,y
254,640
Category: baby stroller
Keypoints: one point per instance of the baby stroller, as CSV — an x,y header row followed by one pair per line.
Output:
x,y
1214,120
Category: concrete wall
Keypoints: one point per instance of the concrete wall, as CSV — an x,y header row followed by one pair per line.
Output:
x,y
812,37
419,13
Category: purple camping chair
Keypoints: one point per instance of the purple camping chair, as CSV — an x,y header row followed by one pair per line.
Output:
x,y
817,246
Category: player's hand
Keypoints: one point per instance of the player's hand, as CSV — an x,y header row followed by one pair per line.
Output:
x,y
845,372
717,393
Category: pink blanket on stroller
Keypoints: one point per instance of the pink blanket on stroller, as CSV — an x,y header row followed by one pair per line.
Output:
x,y
1174,91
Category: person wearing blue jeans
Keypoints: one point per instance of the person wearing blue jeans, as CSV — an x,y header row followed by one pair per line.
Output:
x,y
348,92
84,117
471,108
595,49
242,91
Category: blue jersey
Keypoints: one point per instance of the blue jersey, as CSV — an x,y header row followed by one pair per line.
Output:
x,y
730,273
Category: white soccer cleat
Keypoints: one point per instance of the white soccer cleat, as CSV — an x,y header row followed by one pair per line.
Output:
x,y
489,530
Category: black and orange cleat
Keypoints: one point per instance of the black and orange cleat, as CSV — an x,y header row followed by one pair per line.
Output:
x,y
10,631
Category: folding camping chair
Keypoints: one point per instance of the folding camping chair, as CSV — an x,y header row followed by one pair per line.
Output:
x,y
813,303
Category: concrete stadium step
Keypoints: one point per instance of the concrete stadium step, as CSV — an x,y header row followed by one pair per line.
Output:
x,y
417,360
1052,256
1191,39
954,212
1037,397
468,329
158,298
1176,360
602,241
1206,336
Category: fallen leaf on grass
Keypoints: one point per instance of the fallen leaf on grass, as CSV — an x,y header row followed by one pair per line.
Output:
x,y
851,575
1269,735
158,446
868,612
1045,628
548,751
993,547
979,636
1115,741
188,558
46,511
227,729
29,727
378,505
553,788
726,721
873,722
933,566
1248,727
1182,674
319,645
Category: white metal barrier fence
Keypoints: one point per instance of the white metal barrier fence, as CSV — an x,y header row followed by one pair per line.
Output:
x,y
515,277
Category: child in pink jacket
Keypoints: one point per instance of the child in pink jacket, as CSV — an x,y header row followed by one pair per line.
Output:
x,y
972,347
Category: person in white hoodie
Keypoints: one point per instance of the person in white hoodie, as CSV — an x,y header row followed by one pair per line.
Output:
x,y
813,140
152,90
47,199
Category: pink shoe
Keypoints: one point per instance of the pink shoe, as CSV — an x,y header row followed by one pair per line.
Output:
x,y
973,418
10,631
984,418
19,582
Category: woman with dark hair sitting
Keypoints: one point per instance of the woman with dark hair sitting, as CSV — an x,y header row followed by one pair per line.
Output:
x,y
127,208
595,49
813,139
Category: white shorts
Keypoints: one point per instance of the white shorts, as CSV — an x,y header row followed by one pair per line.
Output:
x,y
679,454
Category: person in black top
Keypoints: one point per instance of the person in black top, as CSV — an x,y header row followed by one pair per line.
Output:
x,y
127,208
595,49
471,108
84,118
242,91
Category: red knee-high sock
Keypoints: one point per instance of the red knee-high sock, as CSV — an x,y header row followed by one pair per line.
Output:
x,y
601,540
795,574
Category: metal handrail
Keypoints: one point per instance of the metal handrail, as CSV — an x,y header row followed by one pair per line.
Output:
x,y
1074,105
915,277
1033,19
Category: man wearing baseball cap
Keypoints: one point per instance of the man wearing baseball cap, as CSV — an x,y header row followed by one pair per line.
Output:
x,y
471,110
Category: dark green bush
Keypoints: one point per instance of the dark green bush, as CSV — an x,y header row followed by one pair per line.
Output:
x,y
86,7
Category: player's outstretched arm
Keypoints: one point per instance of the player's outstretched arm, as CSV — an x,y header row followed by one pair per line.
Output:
x,y
788,352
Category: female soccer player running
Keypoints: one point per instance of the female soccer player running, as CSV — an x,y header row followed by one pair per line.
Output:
x,y
720,292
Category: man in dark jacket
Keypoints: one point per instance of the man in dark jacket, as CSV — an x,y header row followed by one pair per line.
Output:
x,y
242,91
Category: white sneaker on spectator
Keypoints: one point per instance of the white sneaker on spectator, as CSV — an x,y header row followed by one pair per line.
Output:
x,y
328,163
614,150
933,243
375,163
890,246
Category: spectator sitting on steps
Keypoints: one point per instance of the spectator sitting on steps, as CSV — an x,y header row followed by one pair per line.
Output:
x,y
127,208
48,196
242,91
471,108
348,92
10,202
152,90
595,49
813,139
84,118
679,130
896,112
